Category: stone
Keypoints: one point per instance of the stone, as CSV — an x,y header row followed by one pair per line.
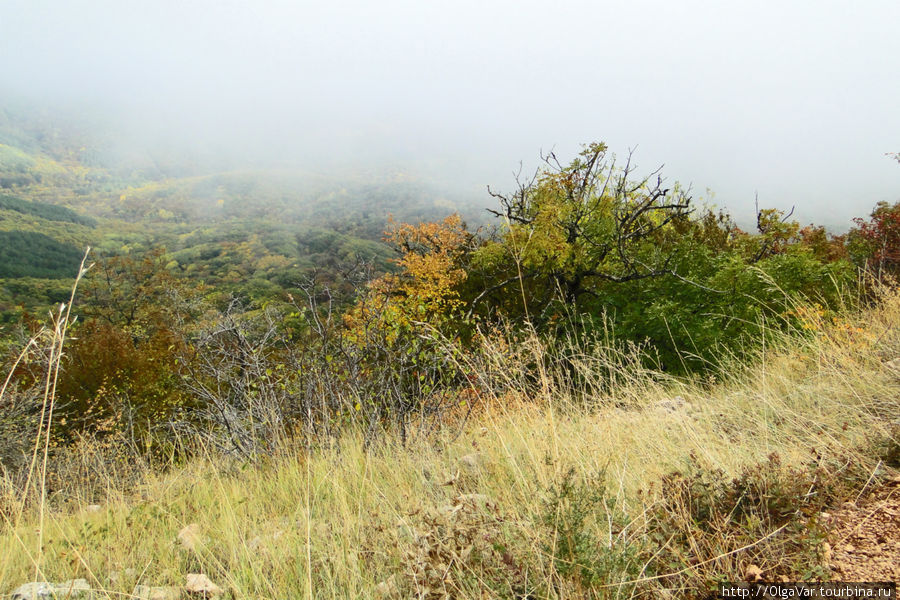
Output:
x,y
39,590
33,591
115,576
149,592
200,585
260,541
448,510
387,588
93,508
472,499
672,405
753,573
471,462
190,537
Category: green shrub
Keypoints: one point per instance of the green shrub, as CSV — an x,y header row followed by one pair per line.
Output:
x,y
595,564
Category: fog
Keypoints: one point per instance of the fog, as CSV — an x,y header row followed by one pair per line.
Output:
x,y
795,101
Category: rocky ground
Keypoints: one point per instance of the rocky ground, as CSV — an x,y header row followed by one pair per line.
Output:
x,y
864,537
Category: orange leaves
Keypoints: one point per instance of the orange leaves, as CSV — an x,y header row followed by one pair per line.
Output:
x,y
425,290
430,257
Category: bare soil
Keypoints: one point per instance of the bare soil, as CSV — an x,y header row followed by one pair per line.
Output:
x,y
864,536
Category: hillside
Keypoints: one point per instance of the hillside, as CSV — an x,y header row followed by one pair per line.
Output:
x,y
260,383
253,233
654,487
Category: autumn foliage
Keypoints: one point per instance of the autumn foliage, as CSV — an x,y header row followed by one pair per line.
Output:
x,y
583,253
876,241
426,287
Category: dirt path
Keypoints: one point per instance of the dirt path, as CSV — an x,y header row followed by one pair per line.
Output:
x,y
864,538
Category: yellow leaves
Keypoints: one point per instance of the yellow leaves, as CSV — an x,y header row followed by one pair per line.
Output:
x,y
430,261
836,328
425,289
271,262
431,251
811,318
776,232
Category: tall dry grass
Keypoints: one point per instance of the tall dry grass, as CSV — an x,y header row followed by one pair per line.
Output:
x,y
557,486
53,339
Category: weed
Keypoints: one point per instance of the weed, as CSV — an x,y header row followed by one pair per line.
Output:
x,y
709,528
580,553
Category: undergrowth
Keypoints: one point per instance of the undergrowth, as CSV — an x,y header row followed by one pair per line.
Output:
x,y
548,485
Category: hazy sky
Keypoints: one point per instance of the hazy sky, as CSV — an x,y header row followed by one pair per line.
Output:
x,y
796,100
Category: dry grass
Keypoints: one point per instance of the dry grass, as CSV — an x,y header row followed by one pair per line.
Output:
x,y
504,509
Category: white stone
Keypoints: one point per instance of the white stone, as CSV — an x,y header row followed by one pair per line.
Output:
x,y
148,592
190,538
39,590
198,583
386,588
471,462
473,499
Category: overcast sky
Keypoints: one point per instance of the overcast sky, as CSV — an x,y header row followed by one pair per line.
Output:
x,y
798,101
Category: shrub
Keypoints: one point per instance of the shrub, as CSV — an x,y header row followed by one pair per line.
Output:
x,y
578,553
709,528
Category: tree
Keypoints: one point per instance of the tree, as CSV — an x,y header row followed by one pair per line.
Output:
x,y
121,369
130,293
876,242
431,269
573,228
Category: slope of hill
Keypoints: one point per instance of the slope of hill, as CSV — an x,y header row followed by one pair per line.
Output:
x,y
253,233
653,487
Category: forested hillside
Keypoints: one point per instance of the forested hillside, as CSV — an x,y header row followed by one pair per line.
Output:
x,y
254,234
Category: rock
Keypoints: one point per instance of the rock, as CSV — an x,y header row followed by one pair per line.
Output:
x,y
147,592
849,548
673,405
33,591
39,590
473,499
93,508
387,588
115,576
471,462
260,541
753,573
449,511
200,585
190,537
